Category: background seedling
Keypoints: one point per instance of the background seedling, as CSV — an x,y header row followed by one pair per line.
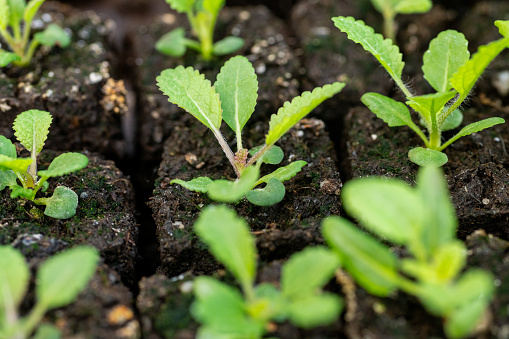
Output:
x,y
15,23
232,99
450,71
59,281
422,219
224,312
202,15
31,129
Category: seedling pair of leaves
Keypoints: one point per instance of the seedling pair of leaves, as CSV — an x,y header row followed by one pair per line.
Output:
x,y
447,67
233,99
202,15
31,129
15,23
225,312
423,221
59,281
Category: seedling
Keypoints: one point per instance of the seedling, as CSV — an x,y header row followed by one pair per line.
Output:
x,y
390,8
423,221
31,129
224,312
202,15
232,99
59,281
448,68
15,23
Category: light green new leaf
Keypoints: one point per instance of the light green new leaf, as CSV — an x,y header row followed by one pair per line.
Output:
x,y
474,128
271,194
425,157
53,35
453,121
227,45
31,128
382,49
7,57
7,147
412,6
394,113
446,54
315,310
31,9
292,112
181,6
4,14
388,207
371,264
429,105
64,164
273,156
200,184
16,8
237,87
18,191
449,260
47,331
229,241
232,191
7,178
172,43
466,76
503,27
17,165
212,6
307,271
283,173
14,277
62,277
190,90
61,205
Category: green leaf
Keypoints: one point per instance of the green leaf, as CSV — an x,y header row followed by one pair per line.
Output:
x,y
382,49
503,27
172,43
7,179
273,156
315,310
18,191
308,271
31,9
449,260
229,240
62,277
271,194
474,128
14,278
237,87
190,90
388,207
427,157
429,105
269,303
453,121
17,165
4,14
212,6
53,35
466,76
394,113
227,45
7,148
412,6
200,184
62,204
446,53
371,264
64,164
47,331
283,173
16,8
7,57
181,6
31,128
232,191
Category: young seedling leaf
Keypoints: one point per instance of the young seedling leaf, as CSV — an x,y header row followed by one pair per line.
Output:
x,y
4,14
47,331
200,184
31,9
237,87
62,277
292,112
430,104
273,156
427,157
18,191
271,194
191,91
412,6
62,204
213,6
181,6
16,8
7,179
228,45
301,276
453,121
474,128
315,310
31,128
229,240
7,57
466,76
283,173
14,278
172,43
446,54
394,113
371,264
17,165
382,49
449,260
53,35
7,148
503,27
64,164
228,191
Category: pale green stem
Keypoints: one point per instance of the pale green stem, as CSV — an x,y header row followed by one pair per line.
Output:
x,y
227,151
258,155
31,50
33,319
389,30
434,133
9,39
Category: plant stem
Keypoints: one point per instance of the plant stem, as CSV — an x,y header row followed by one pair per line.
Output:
x,y
33,318
227,151
258,154
389,30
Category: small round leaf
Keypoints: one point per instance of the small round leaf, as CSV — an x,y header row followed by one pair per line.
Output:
x,y
172,43
271,194
427,157
53,35
228,45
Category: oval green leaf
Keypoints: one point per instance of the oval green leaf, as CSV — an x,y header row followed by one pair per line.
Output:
x,y
453,121
227,45
17,165
31,128
315,310
427,157
7,57
7,179
14,277
474,128
172,43
7,148
271,194
283,173
273,156
62,204
200,184
53,35
64,164
392,112
232,191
